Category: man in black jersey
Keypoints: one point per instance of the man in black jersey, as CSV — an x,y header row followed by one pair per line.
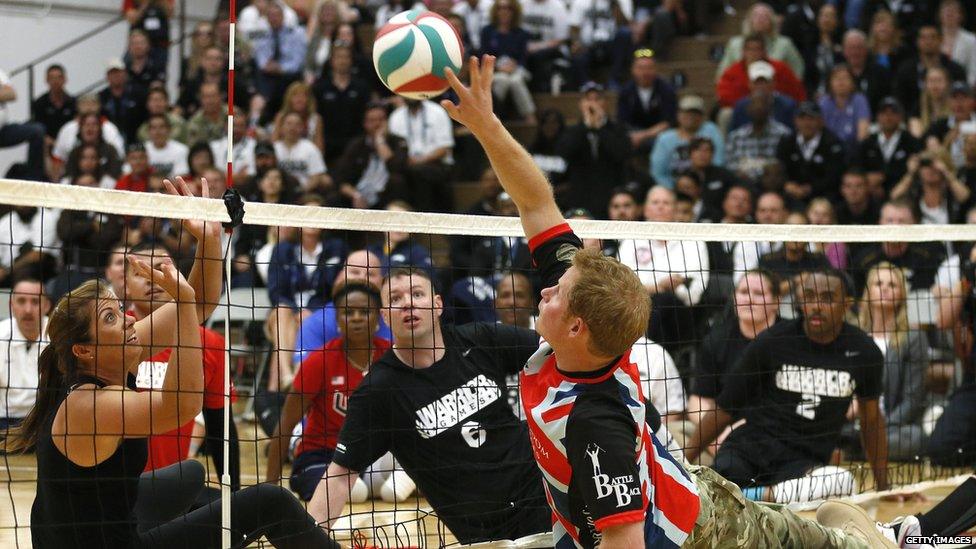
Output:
x,y
438,402
793,385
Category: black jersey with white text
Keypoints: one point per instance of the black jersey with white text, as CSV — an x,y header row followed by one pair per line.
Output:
x,y
798,390
451,428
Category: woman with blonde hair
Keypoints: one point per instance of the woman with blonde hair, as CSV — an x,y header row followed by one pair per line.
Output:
x,y
883,314
762,20
299,99
884,41
933,104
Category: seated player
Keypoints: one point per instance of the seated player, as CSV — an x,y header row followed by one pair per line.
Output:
x,y
320,392
144,297
793,385
437,402
602,487
89,492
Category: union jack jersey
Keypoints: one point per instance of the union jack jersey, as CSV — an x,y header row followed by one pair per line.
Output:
x,y
601,464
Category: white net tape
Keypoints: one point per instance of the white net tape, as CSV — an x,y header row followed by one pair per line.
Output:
x,y
27,193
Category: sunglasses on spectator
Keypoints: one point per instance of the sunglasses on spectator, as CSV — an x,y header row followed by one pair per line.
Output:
x,y
644,53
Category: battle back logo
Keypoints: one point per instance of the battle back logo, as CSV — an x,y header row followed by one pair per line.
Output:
x,y
619,486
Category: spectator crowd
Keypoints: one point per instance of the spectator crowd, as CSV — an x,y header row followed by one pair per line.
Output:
x,y
855,112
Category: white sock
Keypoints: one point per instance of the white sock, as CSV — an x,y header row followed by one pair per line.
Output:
x,y
819,484
398,487
360,492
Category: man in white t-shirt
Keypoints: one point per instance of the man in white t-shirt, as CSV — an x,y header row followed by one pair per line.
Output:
x,y
243,155
674,272
475,14
252,23
68,139
22,339
429,133
600,35
770,210
300,157
26,225
12,134
167,157
547,22
659,375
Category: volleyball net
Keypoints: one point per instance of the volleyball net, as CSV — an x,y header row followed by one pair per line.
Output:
x,y
830,352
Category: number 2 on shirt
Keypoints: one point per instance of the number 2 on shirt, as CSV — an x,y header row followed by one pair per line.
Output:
x,y
807,406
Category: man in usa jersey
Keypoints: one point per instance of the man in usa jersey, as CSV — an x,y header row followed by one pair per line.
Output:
x,y
608,479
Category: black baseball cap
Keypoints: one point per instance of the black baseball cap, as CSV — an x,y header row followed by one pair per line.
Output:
x,y
263,147
136,146
591,86
892,104
808,108
577,212
961,88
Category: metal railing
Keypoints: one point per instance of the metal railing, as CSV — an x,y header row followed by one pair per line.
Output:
x,y
30,66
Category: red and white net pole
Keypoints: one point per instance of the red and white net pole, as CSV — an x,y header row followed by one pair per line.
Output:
x,y
225,476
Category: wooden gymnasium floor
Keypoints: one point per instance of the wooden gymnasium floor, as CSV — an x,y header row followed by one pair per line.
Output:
x,y
17,475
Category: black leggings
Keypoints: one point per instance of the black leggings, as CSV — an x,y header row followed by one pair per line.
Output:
x,y
165,520
213,421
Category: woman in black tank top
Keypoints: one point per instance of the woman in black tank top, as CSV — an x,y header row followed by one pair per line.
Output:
x,y
90,427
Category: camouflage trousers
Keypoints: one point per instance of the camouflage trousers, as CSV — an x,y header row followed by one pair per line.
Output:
x,y
728,519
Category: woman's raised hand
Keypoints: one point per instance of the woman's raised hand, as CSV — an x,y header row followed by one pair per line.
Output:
x,y
198,228
167,277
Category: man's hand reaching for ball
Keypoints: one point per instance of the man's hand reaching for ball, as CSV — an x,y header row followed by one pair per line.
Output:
x,y
474,109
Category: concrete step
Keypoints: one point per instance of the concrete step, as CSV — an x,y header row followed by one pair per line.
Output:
x,y
698,75
567,103
693,48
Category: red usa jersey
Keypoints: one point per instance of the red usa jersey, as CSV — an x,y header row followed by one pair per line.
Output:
x,y
328,379
601,464
174,446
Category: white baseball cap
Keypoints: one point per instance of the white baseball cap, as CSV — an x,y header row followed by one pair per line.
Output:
x,y
761,69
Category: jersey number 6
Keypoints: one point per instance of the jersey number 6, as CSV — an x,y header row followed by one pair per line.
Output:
x,y
473,434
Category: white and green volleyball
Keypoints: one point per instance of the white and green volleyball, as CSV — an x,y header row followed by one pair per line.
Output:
x,y
412,51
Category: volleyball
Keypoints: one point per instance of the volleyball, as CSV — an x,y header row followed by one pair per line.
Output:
x,y
412,51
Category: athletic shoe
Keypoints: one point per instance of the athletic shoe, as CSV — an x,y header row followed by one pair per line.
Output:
x,y
853,521
359,492
903,527
398,487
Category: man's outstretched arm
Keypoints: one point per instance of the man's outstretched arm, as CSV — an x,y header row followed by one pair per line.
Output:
x,y
516,171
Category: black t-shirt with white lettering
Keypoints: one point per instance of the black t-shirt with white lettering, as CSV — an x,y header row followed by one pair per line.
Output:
x,y
451,428
797,390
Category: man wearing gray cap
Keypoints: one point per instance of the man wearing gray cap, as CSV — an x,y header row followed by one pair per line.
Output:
x,y
814,159
671,154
